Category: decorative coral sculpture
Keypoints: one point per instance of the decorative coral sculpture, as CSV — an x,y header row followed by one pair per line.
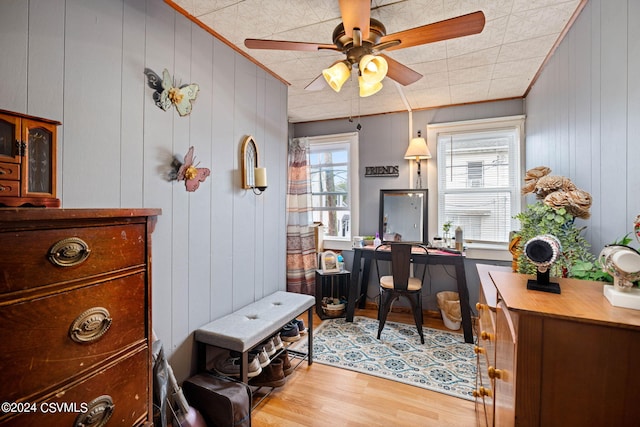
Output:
x,y
557,192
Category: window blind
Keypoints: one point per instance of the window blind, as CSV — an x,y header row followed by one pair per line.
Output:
x,y
478,182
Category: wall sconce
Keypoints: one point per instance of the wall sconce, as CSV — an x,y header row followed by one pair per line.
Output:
x,y
261,180
253,177
418,150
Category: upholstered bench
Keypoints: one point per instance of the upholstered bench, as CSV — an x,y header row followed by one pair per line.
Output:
x,y
250,325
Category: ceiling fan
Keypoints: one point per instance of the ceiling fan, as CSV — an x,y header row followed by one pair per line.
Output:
x,y
362,38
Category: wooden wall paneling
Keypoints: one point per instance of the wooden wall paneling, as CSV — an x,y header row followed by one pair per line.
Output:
x,y
614,119
244,204
583,117
14,22
633,125
115,143
270,222
602,45
197,295
597,212
134,91
158,129
45,98
282,183
92,82
562,106
571,104
46,59
200,202
261,134
180,225
226,151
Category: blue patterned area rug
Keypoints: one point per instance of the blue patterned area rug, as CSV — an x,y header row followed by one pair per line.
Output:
x,y
444,363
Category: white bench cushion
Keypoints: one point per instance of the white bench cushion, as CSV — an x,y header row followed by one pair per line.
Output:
x,y
253,323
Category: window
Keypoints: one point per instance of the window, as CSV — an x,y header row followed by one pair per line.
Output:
x,y
475,172
479,178
333,162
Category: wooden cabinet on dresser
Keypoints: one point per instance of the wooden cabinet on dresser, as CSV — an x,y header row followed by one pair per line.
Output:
x,y
28,153
560,360
75,316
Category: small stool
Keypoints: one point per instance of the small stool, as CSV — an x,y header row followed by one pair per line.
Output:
x,y
340,280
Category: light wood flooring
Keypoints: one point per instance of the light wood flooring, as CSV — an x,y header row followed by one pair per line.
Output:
x,y
321,395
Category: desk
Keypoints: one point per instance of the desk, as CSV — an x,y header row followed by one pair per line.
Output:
x,y
435,257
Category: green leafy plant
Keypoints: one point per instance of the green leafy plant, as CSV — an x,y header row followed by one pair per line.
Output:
x,y
447,226
575,259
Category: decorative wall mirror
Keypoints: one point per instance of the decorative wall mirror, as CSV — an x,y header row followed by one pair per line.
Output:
x,y
249,162
403,215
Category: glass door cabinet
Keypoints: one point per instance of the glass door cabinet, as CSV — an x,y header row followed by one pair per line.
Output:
x,y
27,160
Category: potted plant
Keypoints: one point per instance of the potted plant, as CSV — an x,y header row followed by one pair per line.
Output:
x,y
575,258
559,203
446,227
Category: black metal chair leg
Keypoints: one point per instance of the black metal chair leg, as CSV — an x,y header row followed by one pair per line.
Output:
x,y
416,307
385,306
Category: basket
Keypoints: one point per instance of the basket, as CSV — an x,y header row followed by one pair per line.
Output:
x,y
334,310
449,305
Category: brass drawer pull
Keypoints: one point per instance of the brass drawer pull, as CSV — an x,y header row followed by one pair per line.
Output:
x,y
478,350
90,325
98,412
482,392
485,335
69,252
494,373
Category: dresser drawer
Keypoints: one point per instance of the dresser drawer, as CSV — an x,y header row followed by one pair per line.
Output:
x,y
9,188
487,330
484,393
58,336
29,259
9,171
123,388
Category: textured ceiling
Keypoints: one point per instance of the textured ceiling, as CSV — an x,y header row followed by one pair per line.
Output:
x,y
501,62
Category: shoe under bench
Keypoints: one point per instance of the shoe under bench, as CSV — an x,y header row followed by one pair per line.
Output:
x,y
249,326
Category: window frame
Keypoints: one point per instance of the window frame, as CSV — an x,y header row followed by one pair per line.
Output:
x,y
350,138
481,125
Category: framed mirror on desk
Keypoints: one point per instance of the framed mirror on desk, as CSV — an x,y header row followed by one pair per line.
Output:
x,y
403,215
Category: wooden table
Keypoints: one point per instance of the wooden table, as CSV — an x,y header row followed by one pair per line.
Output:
x,y
435,257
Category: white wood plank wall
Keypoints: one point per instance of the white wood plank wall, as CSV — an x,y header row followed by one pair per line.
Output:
x,y
582,116
81,62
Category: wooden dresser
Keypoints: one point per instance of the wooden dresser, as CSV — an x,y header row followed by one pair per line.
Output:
x,y
75,316
555,360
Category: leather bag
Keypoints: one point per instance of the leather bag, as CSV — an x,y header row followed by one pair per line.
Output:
x,y
222,401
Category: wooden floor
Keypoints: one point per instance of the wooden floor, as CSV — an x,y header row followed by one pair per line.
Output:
x,y
321,395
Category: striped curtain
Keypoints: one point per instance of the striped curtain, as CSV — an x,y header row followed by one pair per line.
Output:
x,y
301,247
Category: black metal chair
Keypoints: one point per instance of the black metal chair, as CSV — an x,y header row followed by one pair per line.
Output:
x,y
400,282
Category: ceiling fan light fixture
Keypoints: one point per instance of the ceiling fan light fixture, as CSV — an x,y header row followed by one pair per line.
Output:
x,y
373,68
368,89
336,75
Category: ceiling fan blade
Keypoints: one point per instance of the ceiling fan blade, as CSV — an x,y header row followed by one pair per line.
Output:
x,y
356,14
287,45
465,25
318,83
401,73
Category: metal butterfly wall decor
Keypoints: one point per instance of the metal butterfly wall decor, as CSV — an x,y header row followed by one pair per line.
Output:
x,y
167,93
192,175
